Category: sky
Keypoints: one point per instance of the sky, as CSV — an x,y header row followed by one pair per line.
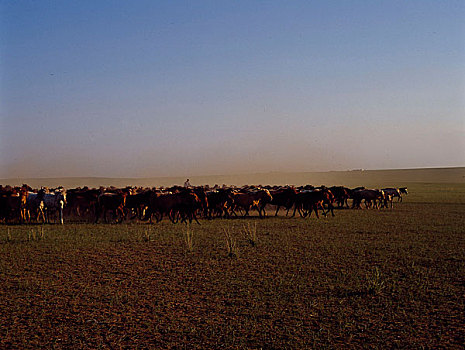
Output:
x,y
185,88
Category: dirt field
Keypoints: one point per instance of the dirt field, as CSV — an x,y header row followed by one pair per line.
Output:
x,y
365,278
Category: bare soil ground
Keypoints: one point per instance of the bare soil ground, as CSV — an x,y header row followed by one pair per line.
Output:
x,y
365,278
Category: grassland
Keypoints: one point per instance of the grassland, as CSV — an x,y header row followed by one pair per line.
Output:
x,y
365,278
392,177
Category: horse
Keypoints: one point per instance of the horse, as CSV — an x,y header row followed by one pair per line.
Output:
x,y
219,201
13,204
402,190
253,199
35,205
181,205
284,197
115,202
55,202
370,196
308,201
136,204
393,192
81,202
341,195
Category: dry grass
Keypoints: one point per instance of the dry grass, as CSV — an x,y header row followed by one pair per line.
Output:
x,y
230,242
250,232
146,235
35,234
374,281
189,238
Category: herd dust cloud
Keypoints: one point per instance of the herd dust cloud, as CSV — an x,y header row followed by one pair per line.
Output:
x,y
321,149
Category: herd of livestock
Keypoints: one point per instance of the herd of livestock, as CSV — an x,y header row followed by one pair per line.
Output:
x,y
181,204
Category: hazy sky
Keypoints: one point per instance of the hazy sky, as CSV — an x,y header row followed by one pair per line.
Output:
x,y
179,88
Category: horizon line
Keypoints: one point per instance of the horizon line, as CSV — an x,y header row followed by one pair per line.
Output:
x,y
236,174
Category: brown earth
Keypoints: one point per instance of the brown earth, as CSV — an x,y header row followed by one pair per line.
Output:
x,y
363,279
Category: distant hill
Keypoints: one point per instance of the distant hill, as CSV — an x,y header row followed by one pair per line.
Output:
x,y
394,177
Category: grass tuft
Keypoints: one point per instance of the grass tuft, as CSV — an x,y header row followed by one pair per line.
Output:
x,y
36,235
146,236
189,238
250,233
231,245
374,282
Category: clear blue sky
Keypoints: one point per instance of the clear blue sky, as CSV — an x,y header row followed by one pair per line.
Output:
x,y
165,88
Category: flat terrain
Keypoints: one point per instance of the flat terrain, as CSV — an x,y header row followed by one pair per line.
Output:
x,y
393,177
364,278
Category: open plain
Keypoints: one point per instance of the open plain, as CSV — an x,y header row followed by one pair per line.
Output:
x,y
142,142
390,278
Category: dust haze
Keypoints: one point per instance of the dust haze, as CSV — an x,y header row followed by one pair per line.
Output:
x,y
371,178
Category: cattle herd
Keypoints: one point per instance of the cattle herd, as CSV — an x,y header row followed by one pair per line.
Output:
x,y
181,204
